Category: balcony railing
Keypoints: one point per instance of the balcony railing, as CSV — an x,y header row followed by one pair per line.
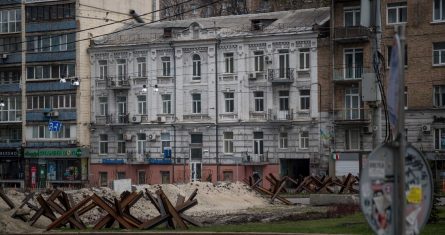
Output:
x,y
10,116
349,73
280,115
110,119
282,75
351,34
255,159
352,114
118,82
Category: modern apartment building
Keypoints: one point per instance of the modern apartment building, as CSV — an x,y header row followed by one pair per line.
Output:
x,y
208,99
45,86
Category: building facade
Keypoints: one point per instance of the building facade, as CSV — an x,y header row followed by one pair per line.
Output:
x,y
207,99
45,88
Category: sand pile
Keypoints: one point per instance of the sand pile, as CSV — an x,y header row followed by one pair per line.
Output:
x,y
212,199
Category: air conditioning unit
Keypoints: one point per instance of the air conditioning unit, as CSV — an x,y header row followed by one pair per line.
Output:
x,y
161,119
151,137
426,128
252,76
128,137
136,119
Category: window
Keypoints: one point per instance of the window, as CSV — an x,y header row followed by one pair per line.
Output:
x,y
166,66
8,77
352,17
103,179
50,12
121,69
142,140
121,149
103,144
194,12
196,138
66,101
304,140
10,21
305,99
397,13
352,104
259,101
439,139
166,104
51,43
228,176
258,142
103,69
352,139
304,59
121,102
228,62
439,10
103,106
259,61
353,63
390,53
229,101
405,93
142,67
439,53
165,141
228,142
10,44
283,58
283,140
196,67
12,110
196,103
142,104
284,100
56,71
121,175
439,96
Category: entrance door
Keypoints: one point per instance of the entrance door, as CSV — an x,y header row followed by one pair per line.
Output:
x,y
195,171
122,109
165,177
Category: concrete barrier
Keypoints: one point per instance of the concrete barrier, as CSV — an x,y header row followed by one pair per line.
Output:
x,y
330,199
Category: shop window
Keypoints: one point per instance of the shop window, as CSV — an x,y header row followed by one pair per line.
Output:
x,y
103,179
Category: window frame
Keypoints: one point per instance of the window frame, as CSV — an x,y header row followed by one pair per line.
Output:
x,y
350,137
196,67
196,103
441,9
305,100
103,69
142,104
229,64
439,96
258,61
166,66
103,144
121,146
304,56
303,140
229,102
258,143
258,101
354,11
103,106
141,67
228,142
283,140
166,103
440,52
398,7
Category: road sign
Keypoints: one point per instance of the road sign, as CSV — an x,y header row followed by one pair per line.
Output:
x,y
377,188
54,126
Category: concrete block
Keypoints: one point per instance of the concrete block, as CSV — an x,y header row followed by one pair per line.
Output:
x,y
331,199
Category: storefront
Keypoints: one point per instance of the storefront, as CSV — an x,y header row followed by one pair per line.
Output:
x,y
63,167
11,168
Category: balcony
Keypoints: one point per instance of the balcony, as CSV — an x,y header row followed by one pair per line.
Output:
x,y
118,83
349,73
351,34
113,120
280,115
103,120
258,116
256,159
196,117
10,142
281,76
352,116
10,116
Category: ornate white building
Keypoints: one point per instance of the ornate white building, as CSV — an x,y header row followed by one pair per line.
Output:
x,y
208,99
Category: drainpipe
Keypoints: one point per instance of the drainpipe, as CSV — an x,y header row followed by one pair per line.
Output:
x,y
216,109
333,88
174,112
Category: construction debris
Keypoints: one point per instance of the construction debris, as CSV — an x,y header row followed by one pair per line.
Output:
x,y
6,199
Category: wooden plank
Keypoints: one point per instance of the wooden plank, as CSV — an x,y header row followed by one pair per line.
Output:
x,y
152,200
178,222
180,200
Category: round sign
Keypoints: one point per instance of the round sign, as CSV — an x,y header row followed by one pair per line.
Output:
x,y
377,188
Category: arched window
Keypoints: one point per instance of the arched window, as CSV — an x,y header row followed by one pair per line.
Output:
x,y
196,67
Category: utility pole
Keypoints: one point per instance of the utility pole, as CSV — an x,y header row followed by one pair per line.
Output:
x,y
23,80
375,26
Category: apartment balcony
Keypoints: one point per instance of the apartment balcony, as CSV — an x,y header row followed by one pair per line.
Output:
x,y
10,142
281,76
352,116
351,34
228,77
258,116
257,76
256,159
10,116
280,115
196,117
118,83
349,73
111,119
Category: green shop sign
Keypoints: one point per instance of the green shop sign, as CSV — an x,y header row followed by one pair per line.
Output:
x,y
74,152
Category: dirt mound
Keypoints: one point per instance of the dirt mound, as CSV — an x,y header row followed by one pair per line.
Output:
x,y
9,225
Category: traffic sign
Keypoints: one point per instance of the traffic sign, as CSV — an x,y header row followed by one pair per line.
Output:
x,y
54,126
377,184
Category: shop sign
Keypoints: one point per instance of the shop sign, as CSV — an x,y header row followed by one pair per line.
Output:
x,y
9,153
35,153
